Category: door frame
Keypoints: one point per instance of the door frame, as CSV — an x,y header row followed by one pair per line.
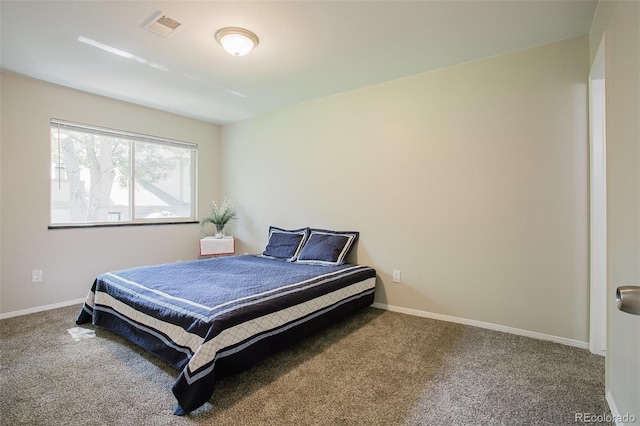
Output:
x,y
598,266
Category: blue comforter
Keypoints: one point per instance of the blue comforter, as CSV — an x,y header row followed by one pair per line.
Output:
x,y
196,314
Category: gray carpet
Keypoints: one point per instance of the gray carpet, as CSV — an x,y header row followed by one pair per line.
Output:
x,y
375,368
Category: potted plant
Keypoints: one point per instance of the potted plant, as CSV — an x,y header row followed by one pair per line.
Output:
x,y
220,215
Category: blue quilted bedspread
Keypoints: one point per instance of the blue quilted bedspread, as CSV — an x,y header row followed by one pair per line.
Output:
x,y
192,314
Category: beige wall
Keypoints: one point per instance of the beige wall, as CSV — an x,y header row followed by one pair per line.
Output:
x,y
619,21
471,180
71,258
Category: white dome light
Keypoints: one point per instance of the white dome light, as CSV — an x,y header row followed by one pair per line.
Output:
x,y
236,41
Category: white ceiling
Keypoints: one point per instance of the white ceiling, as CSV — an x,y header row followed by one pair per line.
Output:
x,y
307,49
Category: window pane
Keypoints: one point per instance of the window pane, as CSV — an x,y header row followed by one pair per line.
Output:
x,y
162,181
103,175
89,177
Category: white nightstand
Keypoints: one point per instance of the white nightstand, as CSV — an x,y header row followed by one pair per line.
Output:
x,y
212,246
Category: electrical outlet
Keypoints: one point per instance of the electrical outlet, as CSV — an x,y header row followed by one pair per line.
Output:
x,y
396,276
36,276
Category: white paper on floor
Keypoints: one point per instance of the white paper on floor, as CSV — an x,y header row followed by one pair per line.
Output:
x,y
79,333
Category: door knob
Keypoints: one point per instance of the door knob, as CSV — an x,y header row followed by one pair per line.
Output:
x,y
628,299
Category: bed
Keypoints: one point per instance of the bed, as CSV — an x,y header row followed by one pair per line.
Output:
x,y
209,318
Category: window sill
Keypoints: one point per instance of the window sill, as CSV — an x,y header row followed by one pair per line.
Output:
x,y
113,225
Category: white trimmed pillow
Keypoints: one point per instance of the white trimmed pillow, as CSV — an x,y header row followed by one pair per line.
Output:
x,y
285,244
325,247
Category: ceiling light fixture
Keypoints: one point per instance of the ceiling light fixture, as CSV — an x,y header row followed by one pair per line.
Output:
x,y
236,41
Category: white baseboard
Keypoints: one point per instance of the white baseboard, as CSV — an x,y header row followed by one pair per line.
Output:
x,y
481,324
614,409
41,308
618,418
424,314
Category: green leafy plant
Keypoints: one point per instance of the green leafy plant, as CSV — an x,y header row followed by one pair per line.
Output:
x,y
220,214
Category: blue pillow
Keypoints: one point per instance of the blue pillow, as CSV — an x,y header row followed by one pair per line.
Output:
x,y
285,244
325,247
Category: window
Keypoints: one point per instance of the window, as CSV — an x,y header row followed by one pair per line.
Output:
x,y
104,177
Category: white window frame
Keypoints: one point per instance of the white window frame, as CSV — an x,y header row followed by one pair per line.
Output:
x,y
132,137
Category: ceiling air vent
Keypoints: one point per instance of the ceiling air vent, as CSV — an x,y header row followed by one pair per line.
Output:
x,y
162,25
